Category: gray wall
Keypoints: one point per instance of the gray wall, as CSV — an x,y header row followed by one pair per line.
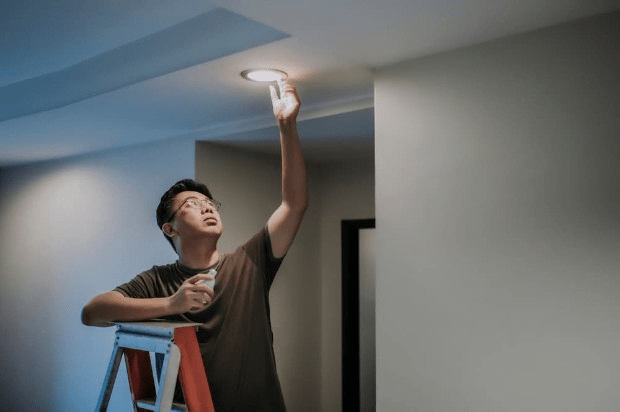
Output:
x,y
498,223
368,349
347,191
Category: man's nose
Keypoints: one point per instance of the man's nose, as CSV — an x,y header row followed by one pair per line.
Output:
x,y
206,206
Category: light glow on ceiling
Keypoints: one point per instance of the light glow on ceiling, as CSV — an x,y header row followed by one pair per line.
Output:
x,y
264,75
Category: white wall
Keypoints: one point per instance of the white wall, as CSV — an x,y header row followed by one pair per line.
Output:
x,y
498,223
72,229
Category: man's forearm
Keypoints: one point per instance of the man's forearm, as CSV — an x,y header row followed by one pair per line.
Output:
x,y
112,306
294,178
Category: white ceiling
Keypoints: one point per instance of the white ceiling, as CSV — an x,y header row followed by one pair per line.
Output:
x,y
80,76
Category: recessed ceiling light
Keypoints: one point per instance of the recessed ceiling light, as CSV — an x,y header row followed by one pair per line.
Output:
x,y
264,75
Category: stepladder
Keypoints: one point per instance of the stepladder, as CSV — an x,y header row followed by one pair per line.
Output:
x,y
157,355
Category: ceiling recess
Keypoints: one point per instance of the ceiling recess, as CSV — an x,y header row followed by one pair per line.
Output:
x,y
264,75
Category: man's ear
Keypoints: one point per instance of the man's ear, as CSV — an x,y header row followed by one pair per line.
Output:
x,y
168,229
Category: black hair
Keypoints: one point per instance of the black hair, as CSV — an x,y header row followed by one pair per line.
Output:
x,y
164,211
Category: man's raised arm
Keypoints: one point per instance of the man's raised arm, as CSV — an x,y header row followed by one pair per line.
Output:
x,y
285,221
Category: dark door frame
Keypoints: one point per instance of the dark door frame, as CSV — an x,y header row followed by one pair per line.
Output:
x,y
351,312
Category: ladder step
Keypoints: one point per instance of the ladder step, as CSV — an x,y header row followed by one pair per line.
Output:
x,y
149,404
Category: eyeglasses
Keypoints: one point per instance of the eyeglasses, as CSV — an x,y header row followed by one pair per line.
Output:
x,y
197,204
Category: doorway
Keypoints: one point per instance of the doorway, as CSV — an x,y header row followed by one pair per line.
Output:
x,y
358,316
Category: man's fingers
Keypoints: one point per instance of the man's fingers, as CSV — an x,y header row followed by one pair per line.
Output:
x,y
199,277
286,87
199,290
202,289
199,300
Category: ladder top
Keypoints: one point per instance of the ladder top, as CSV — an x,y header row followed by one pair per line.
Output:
x,y
152,327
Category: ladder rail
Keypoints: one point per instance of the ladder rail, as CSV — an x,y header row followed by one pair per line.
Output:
x,y
110,377
168,380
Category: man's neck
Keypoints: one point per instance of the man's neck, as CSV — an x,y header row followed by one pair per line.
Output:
x,y
199,257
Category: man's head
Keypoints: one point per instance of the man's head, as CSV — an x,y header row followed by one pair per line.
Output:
x,y
164,209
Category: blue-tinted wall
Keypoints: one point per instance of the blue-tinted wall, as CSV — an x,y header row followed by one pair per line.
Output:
x,y
72,229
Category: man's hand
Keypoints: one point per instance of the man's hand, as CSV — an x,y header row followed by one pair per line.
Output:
x,y
192,296
285,107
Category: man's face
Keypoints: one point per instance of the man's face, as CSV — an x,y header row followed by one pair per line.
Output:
x,y
195,216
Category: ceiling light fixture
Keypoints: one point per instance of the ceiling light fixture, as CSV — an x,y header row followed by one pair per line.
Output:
x,y
264,75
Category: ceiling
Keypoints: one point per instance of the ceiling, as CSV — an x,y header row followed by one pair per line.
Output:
x,y
83,76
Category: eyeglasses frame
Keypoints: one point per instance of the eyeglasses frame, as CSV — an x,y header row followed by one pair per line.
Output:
x,y
208,202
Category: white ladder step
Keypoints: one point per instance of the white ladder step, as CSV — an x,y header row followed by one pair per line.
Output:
x,y
149,404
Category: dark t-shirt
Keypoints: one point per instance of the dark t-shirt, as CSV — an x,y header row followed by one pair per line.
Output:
x,y
235,333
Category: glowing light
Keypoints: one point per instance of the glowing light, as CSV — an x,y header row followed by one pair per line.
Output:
x,y
264,75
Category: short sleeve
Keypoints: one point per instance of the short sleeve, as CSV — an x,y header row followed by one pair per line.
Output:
x,y
259,250
141,286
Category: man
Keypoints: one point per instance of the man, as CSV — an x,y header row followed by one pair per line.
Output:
x,y
235,335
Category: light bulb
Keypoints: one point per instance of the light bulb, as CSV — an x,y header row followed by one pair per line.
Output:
x,y
264,75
